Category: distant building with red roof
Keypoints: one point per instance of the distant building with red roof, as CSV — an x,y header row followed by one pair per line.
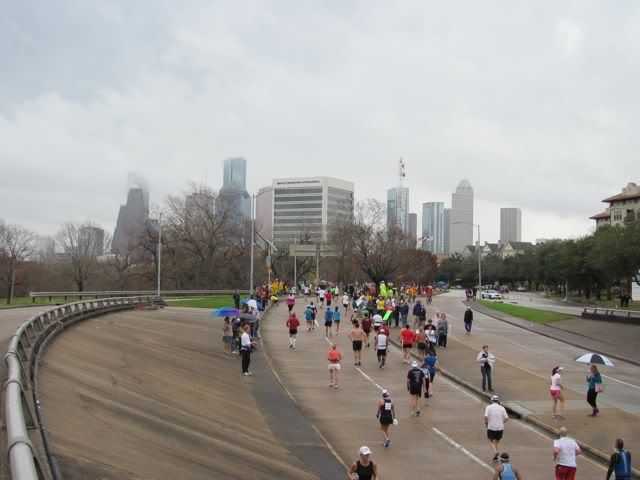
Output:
x,y
623,208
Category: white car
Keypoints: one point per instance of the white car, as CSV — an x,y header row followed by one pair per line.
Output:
x,y
491,294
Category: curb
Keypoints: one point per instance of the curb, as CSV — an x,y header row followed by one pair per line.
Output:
x,y
520,413
568,342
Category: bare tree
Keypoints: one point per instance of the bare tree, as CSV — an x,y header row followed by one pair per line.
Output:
x,y
80,253
16,246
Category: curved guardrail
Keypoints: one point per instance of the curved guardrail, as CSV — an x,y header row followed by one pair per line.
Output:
x,y
22,411
125,293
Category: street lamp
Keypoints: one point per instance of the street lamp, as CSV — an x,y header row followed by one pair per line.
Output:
x,y
479,254
253,211
159,251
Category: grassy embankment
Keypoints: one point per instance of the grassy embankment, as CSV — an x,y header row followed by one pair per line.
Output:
x,y
203,302
526,313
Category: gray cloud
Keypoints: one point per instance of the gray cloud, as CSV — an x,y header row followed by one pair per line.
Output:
x,y
534,102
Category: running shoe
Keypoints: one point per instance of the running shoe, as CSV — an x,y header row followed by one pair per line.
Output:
x,y
387,442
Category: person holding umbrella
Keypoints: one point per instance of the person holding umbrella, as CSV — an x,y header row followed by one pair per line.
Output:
x,y
594,382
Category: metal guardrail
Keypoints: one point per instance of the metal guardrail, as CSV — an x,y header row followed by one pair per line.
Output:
x,y
125,293
22,412
611,312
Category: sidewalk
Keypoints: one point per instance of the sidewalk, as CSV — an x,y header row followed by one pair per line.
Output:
x,y
573,334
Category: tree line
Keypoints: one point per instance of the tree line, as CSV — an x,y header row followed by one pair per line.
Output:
x,y
593,265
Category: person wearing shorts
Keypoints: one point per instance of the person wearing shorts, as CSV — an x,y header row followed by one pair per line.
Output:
x,y
328,322
556,392
377,322
366,328
292,324
345,303
336,319
357,338
321,297
431,365
227,335
495,416
334,358
380,344
386,415
308,316
328,297
565,450
421,340
406,339
415,384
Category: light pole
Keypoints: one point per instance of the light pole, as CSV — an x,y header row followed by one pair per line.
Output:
x,y
159,251
479,255
253,211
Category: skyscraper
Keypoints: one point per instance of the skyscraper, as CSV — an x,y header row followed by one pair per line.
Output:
x,y
446,230
433,232
233,196
398,209
264,212
510,225
131,217
413,229
304,207
91,241
461,227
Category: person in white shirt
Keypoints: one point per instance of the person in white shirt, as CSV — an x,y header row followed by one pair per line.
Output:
x,y
245,349
345,302
487,362
321,295
377,322
556,391
495,416
565,450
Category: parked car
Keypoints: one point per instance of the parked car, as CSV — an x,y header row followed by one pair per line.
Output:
x,y
491,294
521,289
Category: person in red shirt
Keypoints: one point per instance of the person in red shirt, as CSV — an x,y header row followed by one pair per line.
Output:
x,y
328,296
293,323
334,358
366,328
406,338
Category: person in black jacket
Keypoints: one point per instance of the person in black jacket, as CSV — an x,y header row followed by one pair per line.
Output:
x,y
468,319
236,299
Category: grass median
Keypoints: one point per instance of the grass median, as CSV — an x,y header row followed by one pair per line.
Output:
x,y
204,302
526,313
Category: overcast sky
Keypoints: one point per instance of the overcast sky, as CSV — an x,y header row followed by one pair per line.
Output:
x,y
537,103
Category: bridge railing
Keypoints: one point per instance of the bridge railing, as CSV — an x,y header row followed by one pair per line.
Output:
x,y
611,314
22,406
129,293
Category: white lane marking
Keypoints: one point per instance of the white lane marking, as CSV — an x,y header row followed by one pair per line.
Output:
x,y
620,381
370,379
462,450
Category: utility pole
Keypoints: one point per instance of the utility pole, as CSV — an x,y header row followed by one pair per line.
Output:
x,y
253,200
159,251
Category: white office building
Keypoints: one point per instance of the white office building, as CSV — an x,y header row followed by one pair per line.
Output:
x,y
461,227
510,225
446,229
264,213
305,207
433,234
398,209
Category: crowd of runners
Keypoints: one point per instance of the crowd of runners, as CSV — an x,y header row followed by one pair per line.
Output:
x,y
376,319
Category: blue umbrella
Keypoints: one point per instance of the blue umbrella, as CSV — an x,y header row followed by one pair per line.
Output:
x,y
225,312
246,301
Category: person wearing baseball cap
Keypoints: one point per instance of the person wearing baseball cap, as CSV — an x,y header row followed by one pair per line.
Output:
x,y
495,416
415,384
386,414
363,468
556,391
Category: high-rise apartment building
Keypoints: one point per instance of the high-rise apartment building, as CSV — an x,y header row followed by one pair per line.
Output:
x,y
44,247
413,230
398,208
461,227
433,233
91,241
264,212
233,196
446,230
305,207
510,225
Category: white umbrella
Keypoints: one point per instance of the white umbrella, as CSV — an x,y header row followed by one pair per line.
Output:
x,y
594,358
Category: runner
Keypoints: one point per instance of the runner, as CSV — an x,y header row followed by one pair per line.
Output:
x,y
308,316
334,358
406,339
328,322
620,462
506,471
293,323
366,327
328,297
386,415
321,296
345,302
380,344
495,416
314,313
377,322
363,469
291,301
336,319
565,450
556,391
432,366
306,292
421,339
415,384
357,336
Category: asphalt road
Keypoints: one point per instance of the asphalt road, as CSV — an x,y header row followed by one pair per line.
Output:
x,y
449,440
